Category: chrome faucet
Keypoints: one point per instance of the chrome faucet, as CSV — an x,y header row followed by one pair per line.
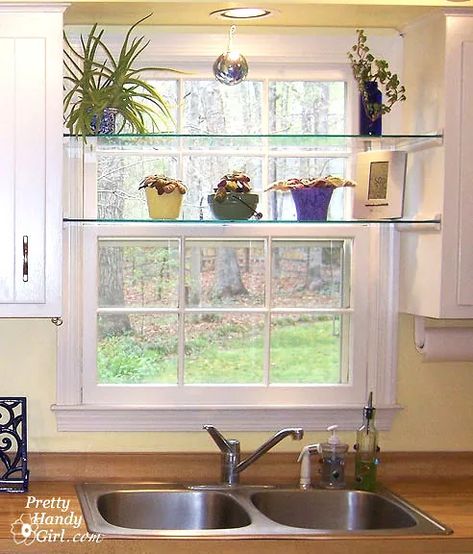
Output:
x,y
230,449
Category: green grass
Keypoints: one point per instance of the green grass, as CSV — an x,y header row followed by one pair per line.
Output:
x,y
122,360
302,352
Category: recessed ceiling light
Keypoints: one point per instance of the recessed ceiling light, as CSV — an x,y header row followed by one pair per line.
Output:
x,y
241,13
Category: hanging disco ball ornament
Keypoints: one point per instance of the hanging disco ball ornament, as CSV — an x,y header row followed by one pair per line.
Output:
x,y
231,67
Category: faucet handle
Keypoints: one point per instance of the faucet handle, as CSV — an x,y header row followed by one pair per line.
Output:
x,y
227,446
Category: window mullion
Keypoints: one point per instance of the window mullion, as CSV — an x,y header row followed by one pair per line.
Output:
x,y
179,122
265,128
267,305
181,312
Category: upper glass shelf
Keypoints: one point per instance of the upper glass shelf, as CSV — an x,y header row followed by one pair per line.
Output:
x,y
271,140
267,135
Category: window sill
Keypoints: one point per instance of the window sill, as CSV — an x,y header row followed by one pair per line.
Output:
x,y
147,418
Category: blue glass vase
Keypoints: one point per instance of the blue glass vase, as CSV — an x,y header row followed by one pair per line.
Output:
x,y
373,96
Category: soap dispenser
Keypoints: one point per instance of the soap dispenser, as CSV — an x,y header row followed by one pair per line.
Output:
x,y
332,452
366,448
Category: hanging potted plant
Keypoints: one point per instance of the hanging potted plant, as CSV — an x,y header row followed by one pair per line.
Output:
x,y
164,196
233,199
370,73
99,86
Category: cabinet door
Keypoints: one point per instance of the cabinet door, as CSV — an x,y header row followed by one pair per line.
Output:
x,y
437,266
30,165
7,173
22,138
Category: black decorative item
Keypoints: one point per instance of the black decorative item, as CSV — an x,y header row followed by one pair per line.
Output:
x,y
231,67
13,457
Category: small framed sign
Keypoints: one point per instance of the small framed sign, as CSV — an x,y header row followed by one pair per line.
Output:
x,y
380,177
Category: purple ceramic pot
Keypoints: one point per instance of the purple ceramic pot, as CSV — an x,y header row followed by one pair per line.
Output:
x,y
312,202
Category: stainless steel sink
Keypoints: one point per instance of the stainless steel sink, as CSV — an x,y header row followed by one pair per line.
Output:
x,y
343,510
177,509
244,511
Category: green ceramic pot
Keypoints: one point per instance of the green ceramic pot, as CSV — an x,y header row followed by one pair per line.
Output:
x,y
236,205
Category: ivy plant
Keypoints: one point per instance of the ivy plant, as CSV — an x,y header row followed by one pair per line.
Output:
x,y
368,69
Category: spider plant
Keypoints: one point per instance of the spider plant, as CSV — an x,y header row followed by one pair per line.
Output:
x,y
97,80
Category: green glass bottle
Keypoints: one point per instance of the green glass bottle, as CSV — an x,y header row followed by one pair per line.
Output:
x,y
366,447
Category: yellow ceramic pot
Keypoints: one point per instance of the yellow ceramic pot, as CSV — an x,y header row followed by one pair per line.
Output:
x,y
164,206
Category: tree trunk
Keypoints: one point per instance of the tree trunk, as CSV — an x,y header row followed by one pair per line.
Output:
x,y
314,279
111,293
228,276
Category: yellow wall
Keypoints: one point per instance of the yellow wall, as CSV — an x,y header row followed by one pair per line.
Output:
x,y
437,400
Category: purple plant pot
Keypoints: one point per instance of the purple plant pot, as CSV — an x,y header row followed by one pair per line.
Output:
x,y
312,202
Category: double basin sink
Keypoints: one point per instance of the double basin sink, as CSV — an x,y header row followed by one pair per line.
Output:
x,y
165,510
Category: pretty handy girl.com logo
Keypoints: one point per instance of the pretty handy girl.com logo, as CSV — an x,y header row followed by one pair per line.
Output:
x,y
51,520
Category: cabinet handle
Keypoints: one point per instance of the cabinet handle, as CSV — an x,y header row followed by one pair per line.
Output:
x,y
25,258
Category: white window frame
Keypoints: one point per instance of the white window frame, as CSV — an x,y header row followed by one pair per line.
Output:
x,y
218,396
374,331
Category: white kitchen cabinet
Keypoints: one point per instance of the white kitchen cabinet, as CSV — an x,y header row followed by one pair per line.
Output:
x,y
30,160
437,266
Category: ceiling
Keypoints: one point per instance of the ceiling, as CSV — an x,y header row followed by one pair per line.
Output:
x,y
306,13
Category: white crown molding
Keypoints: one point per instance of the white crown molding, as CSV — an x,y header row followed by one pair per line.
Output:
x,y
436,15
274,44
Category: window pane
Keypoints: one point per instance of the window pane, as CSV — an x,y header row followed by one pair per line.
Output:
x,y
225,273
135,349
138,273
299,168
224,348
305,349
167,88
123,162
307,107
210,107
307,273
118,178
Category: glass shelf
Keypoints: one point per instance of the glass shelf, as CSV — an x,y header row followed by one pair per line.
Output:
x,y
271,140
92,165
267,135
426,222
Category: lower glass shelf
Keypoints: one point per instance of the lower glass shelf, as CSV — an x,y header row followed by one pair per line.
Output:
x,y
401,222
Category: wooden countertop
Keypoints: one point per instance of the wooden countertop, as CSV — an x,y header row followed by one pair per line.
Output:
x,y
418,477
450,501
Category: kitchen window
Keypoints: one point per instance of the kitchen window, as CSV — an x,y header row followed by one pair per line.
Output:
x,y
247,325
174,338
